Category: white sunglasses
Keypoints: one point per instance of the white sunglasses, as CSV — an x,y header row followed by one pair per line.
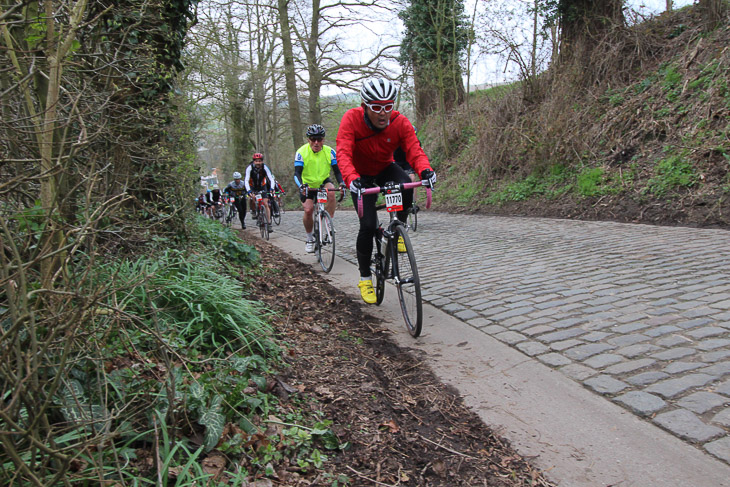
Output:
x,y
388,107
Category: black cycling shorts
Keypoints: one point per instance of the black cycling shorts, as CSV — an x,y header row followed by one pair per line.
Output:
x,y
406,167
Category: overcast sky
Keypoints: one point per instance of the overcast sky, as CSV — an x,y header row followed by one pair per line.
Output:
x,y
485,68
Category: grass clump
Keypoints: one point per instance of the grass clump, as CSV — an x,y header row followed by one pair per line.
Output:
x,y
550,183
670,173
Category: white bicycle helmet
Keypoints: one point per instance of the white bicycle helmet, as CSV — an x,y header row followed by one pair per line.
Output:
x,y
378,89
236,175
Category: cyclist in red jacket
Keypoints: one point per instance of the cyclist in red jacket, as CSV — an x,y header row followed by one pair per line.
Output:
x,y
366,139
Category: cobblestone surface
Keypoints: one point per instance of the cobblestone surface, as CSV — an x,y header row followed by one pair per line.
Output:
x,y
638,314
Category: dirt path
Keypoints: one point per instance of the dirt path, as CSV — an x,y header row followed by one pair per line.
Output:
x,y
404,426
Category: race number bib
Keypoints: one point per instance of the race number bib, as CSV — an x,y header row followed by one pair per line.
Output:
x,y
259,197
321,196
394,201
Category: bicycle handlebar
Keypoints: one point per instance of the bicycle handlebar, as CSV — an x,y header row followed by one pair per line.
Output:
x,y
322,188
402,186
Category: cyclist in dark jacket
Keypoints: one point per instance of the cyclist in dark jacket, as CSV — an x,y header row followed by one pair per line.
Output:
x,y
259,178
237,190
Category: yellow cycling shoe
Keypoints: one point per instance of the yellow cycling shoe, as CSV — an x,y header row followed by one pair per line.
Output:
x,y
401,245
367,292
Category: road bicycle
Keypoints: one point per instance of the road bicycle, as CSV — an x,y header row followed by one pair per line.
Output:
x,y
218,211
388,263
231,212
324,228
261,220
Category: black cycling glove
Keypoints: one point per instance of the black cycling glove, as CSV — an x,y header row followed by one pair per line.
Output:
x,y
429,177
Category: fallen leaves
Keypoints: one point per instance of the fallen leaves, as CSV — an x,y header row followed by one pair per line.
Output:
x,y
381,400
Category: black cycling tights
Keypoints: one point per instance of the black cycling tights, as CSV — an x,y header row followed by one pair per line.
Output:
x,y
240,203
369,219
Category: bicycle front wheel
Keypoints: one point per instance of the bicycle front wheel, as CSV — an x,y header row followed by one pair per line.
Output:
x,y
326,241
263,223
407,282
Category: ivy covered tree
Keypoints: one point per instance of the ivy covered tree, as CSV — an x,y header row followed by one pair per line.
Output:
x,y
93,164
714,11
435,42
583,24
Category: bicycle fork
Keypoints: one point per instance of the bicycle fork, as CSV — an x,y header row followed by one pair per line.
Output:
x,y
385,238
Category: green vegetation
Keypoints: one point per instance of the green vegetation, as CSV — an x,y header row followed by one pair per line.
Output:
x,y
590,181
672,172
616,99
495,92
171,358
651,127
551,184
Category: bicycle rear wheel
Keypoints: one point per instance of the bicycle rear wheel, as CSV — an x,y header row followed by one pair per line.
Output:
x,y
407,282
325,241
413,218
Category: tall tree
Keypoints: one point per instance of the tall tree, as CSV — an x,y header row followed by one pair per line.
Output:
x,y
219,78
434,44
319,38
507,33
262,24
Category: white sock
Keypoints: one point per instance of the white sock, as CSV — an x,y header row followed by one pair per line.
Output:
x,y
368,278
310,236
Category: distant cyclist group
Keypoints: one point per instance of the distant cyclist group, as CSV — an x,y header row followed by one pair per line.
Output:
x,y
377,146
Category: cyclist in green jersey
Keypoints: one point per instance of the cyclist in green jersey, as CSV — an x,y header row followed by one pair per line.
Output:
x,y
312,165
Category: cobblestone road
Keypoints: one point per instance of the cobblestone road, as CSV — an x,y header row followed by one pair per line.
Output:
x,y
636,313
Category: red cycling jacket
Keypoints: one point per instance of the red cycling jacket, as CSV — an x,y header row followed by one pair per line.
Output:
x,y
364,152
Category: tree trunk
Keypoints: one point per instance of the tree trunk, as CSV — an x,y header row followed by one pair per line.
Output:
x,y
295,117
533,53
584,24
436,36
258,75
714,13
56,49
315,75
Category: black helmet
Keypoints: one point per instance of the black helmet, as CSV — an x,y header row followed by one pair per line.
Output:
x,y
315,130
378,89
